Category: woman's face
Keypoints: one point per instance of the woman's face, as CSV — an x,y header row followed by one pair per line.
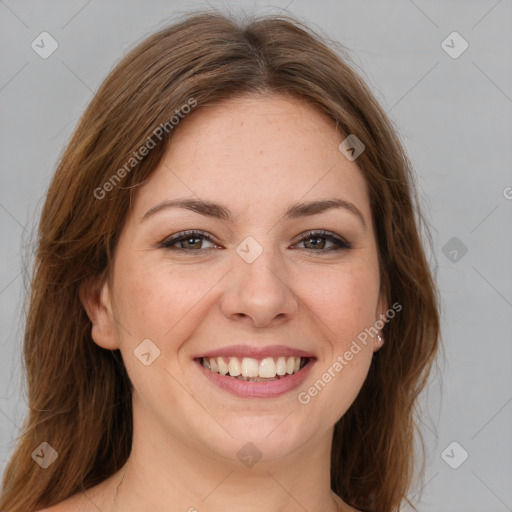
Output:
x,y
253,283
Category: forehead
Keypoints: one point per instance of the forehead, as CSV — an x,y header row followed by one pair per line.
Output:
x,y
264,151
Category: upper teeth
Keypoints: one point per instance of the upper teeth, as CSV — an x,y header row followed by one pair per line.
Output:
x,y
250,367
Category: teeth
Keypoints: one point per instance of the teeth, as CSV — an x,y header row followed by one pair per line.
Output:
x,y
250,368
281,366
221,364
268,368
234,367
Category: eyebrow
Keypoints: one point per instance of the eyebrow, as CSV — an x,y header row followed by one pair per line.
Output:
x,y
215,210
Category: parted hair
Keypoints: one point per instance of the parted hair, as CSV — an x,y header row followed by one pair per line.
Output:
x,y
78,394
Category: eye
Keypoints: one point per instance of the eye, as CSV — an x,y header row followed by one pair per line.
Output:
x,y
319,239
192,240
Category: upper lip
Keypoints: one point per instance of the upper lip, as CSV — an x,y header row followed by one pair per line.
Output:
x,y
255,352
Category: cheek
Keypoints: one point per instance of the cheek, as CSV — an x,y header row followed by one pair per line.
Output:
x,y
345,300
162,303
348,308
152,297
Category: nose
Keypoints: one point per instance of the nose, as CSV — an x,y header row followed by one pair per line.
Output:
x,y
260,292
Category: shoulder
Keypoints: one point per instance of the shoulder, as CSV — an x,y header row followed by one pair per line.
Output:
x,y
92,499
58,508
73,504
61,507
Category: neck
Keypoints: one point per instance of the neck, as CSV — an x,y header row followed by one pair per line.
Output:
x,y
181,477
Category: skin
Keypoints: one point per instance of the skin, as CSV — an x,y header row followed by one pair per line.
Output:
x,y
273,151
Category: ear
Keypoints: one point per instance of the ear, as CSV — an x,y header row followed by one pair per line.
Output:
x,y
380,320
95,298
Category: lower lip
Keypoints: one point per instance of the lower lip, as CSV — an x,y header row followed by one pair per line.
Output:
x,y
246,389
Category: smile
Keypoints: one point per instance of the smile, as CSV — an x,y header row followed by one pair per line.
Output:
x,y
255,370
237,378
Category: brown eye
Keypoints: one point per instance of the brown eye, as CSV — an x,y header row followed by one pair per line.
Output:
x,y
190,241
317,240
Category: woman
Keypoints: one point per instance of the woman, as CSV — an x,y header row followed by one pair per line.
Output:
x,y
231,306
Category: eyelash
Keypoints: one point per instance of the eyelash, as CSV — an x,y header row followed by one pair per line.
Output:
x,y
185,235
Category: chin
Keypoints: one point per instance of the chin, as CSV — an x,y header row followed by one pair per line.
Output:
x,y
260,438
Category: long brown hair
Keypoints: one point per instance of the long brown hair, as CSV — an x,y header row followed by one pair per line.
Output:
x,y
79,395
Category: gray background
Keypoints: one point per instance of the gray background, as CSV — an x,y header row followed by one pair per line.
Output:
x,y
454,117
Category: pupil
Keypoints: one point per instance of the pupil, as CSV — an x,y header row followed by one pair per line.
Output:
x,y
316,244
190,240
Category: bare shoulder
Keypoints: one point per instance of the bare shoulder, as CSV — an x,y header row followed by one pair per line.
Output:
x,y
62,507
342,506
90,500
74,504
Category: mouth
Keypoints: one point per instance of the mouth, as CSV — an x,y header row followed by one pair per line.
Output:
x,y
249,369
256,377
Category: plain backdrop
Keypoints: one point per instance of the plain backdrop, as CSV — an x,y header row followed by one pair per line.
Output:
x,y
454,114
